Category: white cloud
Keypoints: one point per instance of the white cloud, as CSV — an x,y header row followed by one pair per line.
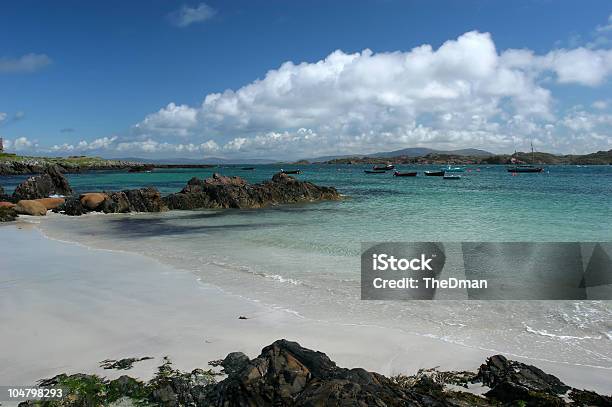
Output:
x,y
186,15
3,117
19,144
600,104
606,27
463,94
25,64
174,120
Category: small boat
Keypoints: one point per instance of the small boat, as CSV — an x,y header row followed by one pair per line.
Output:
x,y
405,174
434,173
375,171
526,167
247,168
452,176
387,167
452,169
291,171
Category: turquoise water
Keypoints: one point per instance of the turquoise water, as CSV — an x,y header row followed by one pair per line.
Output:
x,y
305,258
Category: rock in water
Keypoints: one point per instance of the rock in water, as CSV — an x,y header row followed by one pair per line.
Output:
x,y
234,192
93,200
132,200
41,186
51,203
30,207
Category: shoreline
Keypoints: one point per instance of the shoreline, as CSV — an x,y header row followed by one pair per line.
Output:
x,y
161,311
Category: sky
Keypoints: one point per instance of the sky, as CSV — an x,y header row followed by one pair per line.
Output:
x,y
300,79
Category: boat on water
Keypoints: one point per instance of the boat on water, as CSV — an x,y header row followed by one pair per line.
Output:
x,y
405,174
247,168
452,176
526,168
434,173
291,171
453,169
387,167
375,171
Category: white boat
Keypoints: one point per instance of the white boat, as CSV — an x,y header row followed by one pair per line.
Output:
x,y
452,176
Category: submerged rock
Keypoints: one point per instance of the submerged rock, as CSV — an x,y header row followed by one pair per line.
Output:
x,y
51,182
234,192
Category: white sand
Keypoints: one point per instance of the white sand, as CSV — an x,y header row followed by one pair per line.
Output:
x,y
64,308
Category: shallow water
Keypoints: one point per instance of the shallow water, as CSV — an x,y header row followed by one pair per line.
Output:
x,y
305,258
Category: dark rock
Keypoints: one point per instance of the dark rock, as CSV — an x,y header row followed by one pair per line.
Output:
x,y
234,363
234,192
511,381
72,207
589,398
7,214
122,364
286,374
145,200
41,186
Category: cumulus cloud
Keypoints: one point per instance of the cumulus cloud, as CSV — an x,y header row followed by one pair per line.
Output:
x,y
19,144
24,64
186,15
464,94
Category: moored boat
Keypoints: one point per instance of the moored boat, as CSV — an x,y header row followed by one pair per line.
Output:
x,y
452,169
452,176
525,168
434,173
247,168
375,171
387,167
291,171
405,174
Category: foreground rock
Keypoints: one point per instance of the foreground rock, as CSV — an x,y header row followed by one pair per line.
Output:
x,y
132,200
286,374
51,182
235,192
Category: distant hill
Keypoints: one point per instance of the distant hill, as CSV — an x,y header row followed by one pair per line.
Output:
x,y
409,152
423,151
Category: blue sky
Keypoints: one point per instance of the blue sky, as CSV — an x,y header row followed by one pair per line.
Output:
x,y
130,78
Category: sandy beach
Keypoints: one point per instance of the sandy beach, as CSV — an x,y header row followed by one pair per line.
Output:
x,y
65,307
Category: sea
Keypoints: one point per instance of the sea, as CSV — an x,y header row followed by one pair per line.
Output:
x,y
305,258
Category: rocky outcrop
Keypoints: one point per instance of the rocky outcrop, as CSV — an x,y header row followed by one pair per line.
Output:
x,y
234,192
38,165
509,379
132,200
51,203
7,213
93,200
30,207
287,374
51,182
